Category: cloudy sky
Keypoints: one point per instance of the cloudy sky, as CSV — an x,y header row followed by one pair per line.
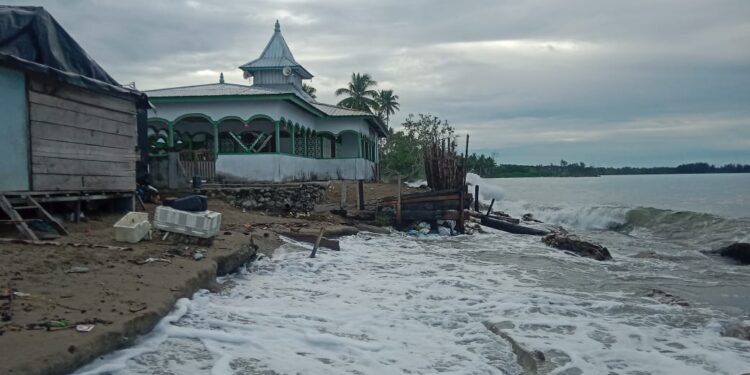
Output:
x,y
657,82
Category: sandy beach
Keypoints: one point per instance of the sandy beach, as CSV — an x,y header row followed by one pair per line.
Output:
x,y
120,297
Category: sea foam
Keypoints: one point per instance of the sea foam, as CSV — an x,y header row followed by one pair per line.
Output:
x,y
390,304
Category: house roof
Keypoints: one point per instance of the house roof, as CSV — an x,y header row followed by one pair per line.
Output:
x,y
232,89
212,89
33,41
276,55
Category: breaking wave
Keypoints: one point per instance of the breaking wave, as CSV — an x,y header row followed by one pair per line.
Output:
x,y
703,228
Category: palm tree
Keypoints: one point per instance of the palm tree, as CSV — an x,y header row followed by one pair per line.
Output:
x,y
360,94
387,104
309,90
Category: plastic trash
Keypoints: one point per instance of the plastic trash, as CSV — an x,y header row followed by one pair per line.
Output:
x,y
85,327
191,203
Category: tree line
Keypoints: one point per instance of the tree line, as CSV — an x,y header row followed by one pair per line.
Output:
x,y
486,166
402,150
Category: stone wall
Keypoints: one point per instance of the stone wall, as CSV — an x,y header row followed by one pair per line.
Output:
x,y
275,198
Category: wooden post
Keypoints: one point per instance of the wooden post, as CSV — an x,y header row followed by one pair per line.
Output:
x,y
466,159
476,198
361,194
317,242
343,194
489,210
461,196
78,210
398,203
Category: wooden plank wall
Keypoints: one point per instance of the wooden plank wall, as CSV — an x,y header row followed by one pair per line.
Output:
x,y
80,139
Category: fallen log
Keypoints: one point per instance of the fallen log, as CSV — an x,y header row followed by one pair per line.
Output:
x,y
510,227
312,238
508,219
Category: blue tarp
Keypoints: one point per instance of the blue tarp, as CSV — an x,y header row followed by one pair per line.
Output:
x,y
31,40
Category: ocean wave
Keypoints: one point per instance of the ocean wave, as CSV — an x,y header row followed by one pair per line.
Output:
x,y
704,228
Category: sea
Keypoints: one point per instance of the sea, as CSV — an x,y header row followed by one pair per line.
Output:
x,y
490,303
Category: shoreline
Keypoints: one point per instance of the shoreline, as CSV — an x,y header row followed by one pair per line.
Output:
x,y
123,299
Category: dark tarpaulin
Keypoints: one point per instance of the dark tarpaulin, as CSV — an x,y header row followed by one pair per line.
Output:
x,y
31,40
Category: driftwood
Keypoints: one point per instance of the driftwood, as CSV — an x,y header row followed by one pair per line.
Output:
x,y
317,242
508,219
506,226
312,238
54,243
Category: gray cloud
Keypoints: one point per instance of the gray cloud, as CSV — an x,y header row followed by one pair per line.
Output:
x,y
605,82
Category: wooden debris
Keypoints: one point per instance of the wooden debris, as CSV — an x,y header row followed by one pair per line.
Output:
x,y
509,227
317,242
311,238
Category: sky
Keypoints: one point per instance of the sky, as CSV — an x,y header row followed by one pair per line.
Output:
x,y
609,83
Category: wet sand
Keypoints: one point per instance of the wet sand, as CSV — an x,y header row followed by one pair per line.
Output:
x,y
120,297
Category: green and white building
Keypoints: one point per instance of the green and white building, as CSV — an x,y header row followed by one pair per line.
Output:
x,y
269,131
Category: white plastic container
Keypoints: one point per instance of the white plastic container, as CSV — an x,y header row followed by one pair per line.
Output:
x,y
204,224
133,227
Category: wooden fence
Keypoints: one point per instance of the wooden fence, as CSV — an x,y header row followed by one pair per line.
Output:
x,y
198,163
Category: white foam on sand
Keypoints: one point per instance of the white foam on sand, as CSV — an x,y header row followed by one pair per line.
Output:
x,y
392,304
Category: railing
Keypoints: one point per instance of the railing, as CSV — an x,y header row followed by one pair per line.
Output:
x,y
199,163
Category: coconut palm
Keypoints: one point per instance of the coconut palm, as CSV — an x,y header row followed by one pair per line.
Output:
x,y
387,104
309,90
359,92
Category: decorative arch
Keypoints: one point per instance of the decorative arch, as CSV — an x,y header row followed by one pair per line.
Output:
x,y
226,118
158,119
195,114
262,116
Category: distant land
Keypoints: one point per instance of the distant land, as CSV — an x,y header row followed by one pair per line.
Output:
x,y
486,166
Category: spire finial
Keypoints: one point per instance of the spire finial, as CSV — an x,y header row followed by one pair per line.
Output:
x,y
221,77
277,27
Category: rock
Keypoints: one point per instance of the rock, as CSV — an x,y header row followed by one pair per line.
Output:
x,y
666,298
576,246
737,331
739,251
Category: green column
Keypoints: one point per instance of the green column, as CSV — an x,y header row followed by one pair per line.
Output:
x,y
277,136
170,135
216,141
359,144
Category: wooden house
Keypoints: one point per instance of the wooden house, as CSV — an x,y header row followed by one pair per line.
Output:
x,y
68,130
